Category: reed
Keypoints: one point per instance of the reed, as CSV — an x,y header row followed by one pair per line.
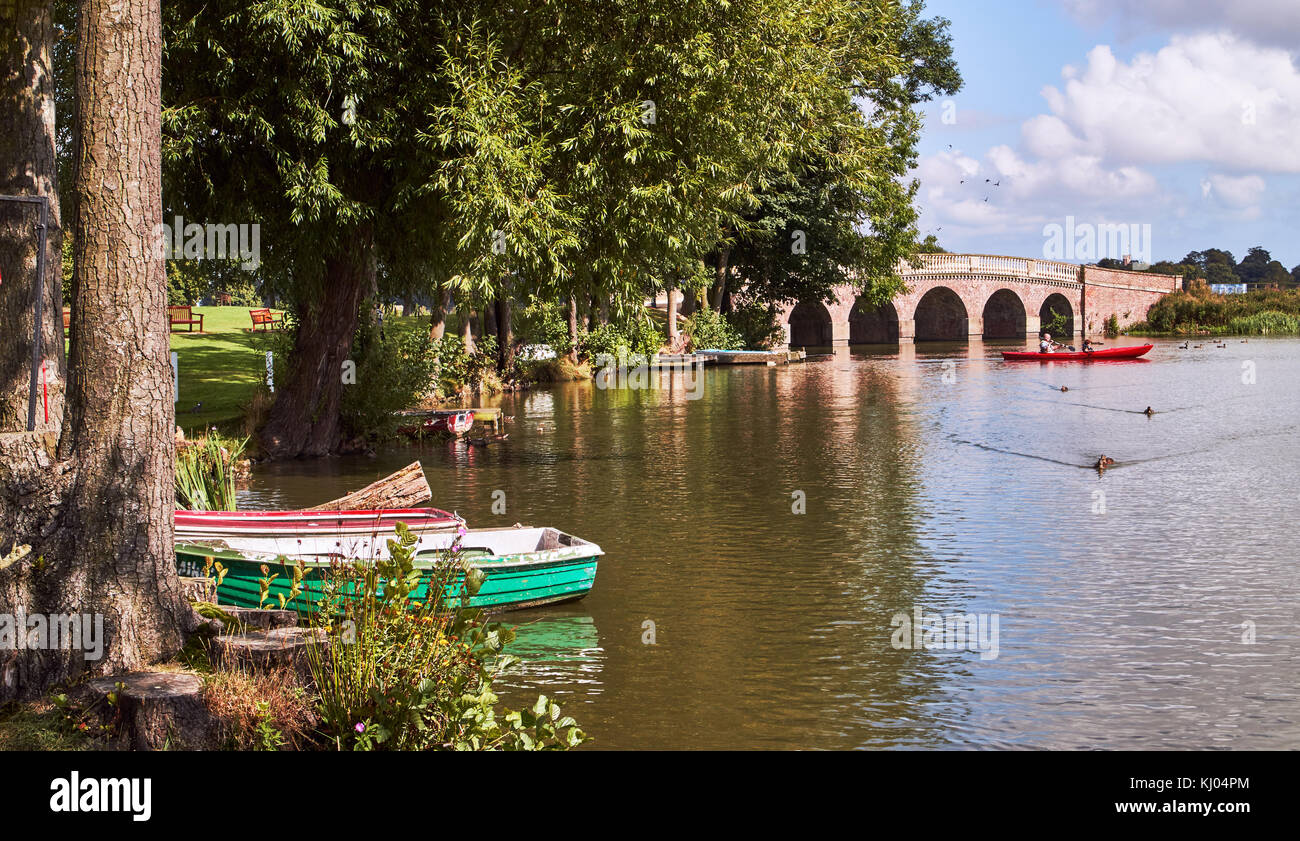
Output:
x,y
205,473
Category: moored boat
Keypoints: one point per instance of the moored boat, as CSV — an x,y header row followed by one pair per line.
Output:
x,y
522,567
312,521
1078,356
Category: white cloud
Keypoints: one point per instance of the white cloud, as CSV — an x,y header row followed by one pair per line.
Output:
x,y
1237,191
1275,22
1206,98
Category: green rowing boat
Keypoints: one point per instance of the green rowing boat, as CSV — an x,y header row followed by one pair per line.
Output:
x,y
521,567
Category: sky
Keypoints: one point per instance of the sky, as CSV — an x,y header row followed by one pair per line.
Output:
x,y
1181,115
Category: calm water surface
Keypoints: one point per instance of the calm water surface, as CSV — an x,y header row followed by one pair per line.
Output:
x,y
941,479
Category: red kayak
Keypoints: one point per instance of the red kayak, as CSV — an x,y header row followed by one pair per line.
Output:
x,y
1078,356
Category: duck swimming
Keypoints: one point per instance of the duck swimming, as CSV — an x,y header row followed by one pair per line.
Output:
x,y
1103,462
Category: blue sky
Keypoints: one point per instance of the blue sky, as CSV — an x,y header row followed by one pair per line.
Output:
x,y
1181,115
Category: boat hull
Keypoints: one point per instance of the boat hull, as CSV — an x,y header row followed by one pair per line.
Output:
x,y
215,525
512,581
1079,356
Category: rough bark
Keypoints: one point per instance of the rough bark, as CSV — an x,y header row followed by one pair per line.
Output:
x,y
98,511
573,329
28,168
438,314
407,488
719,290
304,420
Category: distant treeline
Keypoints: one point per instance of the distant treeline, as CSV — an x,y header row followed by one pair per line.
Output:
x,y
1214,266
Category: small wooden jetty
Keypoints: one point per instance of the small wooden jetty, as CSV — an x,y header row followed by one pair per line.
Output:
x,y
752,357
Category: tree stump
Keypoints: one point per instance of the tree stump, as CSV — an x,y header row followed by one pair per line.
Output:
x,y
268,650
257,619
158,710
199,589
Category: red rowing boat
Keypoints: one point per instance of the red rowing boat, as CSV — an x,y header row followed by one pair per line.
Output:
x,y
194,525
1078,356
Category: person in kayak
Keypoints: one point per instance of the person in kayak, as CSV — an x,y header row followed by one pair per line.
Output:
x,y
1087,346
1046,345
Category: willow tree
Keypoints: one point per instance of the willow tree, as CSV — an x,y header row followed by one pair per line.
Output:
x,y
97,509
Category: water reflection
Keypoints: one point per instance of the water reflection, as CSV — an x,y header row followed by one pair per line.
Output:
x,y
932,475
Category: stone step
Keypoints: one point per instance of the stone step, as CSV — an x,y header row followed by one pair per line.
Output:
x,y
156,710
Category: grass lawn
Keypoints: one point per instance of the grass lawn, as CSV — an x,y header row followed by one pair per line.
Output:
x,y
220,367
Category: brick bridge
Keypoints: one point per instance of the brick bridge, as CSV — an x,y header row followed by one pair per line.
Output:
x,y
963,296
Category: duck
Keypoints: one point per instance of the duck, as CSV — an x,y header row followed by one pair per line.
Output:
x,y
1065,388
1197,347
1149,411
1103,462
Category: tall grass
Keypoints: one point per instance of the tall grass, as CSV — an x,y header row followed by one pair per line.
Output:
x,y
205,473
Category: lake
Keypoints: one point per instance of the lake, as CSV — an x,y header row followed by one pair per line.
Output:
x,y
765,529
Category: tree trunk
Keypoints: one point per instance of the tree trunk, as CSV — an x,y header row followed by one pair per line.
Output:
x,y
490,318
467,317
573,329
505,334
438,315
305,420
98,512
28,168
672,315
720,282
689,297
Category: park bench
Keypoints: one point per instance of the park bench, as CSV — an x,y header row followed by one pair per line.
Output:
x,y
266,319
178,315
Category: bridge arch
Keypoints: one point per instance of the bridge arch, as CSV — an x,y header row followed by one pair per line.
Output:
x,y
1005,316
1062,306
810,325
941,316
873,325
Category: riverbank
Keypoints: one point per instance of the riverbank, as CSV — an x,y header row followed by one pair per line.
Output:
x,y
1200,312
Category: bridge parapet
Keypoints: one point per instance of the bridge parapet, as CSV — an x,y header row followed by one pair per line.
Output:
x,y
990,264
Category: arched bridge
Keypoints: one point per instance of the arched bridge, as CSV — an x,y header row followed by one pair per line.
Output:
x,y
961,296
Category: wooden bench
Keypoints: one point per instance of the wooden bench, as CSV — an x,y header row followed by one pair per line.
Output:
x,y
178,315
266,319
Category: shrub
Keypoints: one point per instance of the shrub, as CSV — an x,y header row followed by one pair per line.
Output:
x,y
639,337
392,372
456,369
756,323
708,329
1111,328
542,323
409,670
1056,324
260,710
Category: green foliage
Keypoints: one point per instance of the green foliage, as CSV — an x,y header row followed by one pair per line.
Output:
x,y
756,323
205,473
542,323
1263,323
407,669
1112,326
1055,325
393,372
709,329
638,337
1199,309
457,369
